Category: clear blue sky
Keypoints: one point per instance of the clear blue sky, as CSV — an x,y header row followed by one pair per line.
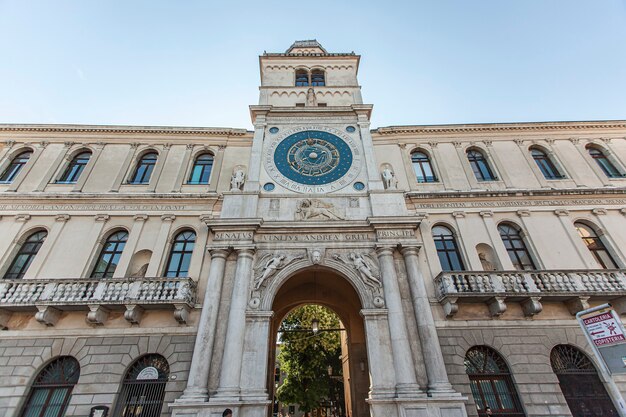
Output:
x,y
194,63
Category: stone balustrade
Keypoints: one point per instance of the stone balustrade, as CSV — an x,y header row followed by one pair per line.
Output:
x,y
99,296
574,287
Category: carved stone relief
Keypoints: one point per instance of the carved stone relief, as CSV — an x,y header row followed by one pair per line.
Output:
x,y
315,209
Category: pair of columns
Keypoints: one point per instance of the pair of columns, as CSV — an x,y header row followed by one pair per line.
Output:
x,y
229,387
405,379
405,376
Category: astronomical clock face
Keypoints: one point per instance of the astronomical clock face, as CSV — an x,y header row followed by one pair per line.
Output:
x,y
313,159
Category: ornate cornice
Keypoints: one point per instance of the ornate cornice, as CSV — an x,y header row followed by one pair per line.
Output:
x,y
151,130
501,127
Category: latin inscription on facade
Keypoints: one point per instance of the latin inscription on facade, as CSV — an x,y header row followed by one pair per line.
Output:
x,y
316,237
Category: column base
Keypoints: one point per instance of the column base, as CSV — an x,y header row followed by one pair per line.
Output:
x,y
409,391
442,389
215,407
193,395
451,406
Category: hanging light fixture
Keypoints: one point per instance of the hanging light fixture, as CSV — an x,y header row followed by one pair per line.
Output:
x,y
315,325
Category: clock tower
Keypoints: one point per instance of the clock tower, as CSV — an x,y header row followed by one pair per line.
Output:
x,y
311,139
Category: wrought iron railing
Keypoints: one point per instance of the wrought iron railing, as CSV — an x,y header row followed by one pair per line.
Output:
x,y
528,287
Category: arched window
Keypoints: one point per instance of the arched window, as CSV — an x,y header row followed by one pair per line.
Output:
x,y
201,171
52,389
607,166
545,164
15,167
317,78
595,245
491,383
143,388
180,255
580,384
110,255
516,247
447,249
480,166
75,168
144,169
423,168
302,78
25,255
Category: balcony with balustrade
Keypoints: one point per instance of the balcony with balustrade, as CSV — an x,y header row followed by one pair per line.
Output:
x,y
575,288
49,298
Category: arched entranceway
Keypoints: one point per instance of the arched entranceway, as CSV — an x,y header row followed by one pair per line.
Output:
x,y
327,288
580,384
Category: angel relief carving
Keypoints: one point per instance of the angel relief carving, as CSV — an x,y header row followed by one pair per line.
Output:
x,y
365,266
268,265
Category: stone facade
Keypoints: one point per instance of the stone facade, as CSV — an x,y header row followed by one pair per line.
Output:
x,y
265,243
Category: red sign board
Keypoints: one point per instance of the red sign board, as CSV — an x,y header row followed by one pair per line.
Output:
x,y
604,329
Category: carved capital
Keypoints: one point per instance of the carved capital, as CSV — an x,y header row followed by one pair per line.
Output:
x,y
486,213
410,251
458,214
561,212
43,144
433,144
47,315
167,146
9,143
135,145
168,217
606,140
575,141
457,144
22,218
384,250
402,145
62,217
599,211
97,315
68,144
217,253
519,142
245,252
140,217
133,313
523,213
101,217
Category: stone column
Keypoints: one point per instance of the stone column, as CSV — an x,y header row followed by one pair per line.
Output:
x,y
197,383
123,170
406,381
54,167
255,356
467,246
233,346
433,358
11,238
380,358
496,241
217,169
183,169
375,182
532,165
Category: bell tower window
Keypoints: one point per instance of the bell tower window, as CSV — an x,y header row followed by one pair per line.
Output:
x,y
302,78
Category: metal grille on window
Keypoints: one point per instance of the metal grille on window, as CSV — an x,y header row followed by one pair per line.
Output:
x,y
143,388
491,383
583,391
52,389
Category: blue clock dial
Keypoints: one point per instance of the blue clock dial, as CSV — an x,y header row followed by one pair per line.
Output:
x,y
313,157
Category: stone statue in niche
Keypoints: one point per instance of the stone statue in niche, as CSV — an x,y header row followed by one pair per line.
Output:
x,y
237,180
141,272
311,100
389,179
487,265
268,266
314,209
365,269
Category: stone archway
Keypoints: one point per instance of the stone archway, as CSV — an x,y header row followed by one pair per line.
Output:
x,y
324,286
